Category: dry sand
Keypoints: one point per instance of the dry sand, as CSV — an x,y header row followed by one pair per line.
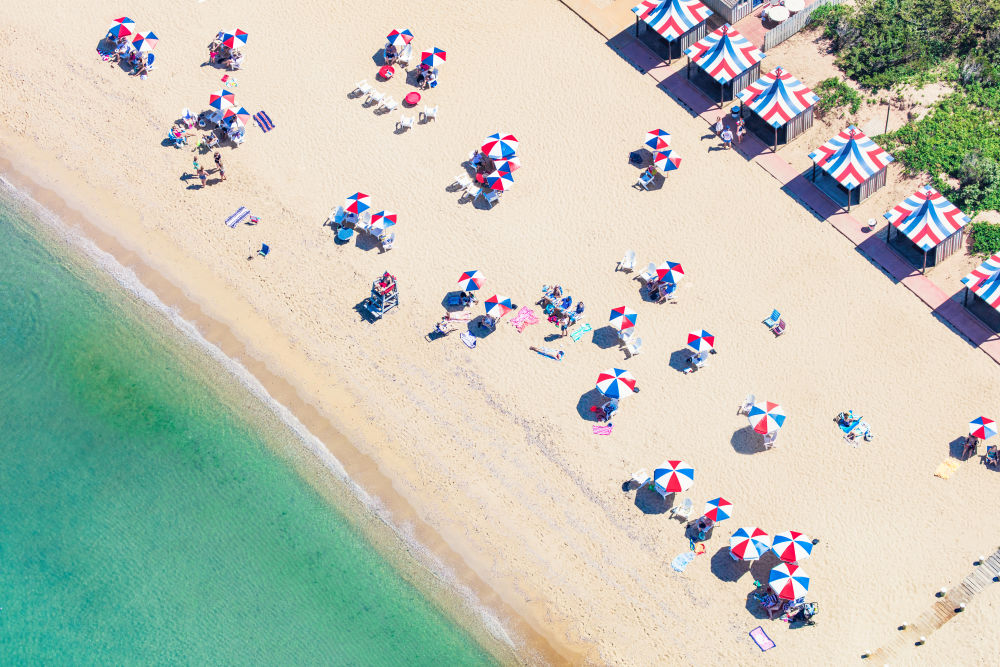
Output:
x,y
486,448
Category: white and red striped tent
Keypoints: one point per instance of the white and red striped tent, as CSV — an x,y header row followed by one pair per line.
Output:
x,y
724,54
672,18
984,281
927,218
851,158
777,97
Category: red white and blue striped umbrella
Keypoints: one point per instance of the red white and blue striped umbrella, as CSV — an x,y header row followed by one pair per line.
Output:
x,y
501,179
623,318
673,477
701,341
500,146
667,160
766,417
749,543
672,18
851,158
777,97
615,383
145,41
237,115
222,99
234,38
982,428
434,57
927,218
510,164
719,509
498,306
398,39
381,221
984,281
122,27
724,54
658,140
357,203
670,272
789,581
471,280
792,546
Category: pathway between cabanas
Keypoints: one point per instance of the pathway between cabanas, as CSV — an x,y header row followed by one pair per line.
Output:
x,y
671,79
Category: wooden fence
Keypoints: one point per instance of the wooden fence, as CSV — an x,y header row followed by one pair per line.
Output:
x,y
780,33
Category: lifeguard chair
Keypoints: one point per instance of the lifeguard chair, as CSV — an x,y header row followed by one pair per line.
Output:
x,y
385,296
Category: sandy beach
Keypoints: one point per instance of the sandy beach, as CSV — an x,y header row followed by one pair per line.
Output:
x,y
486,455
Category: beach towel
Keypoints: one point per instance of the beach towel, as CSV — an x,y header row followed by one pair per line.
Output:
x,y
263,121
602,429
241,214
524,317
105,54
580,330
761,639
946,469
681,562
468,339
229,81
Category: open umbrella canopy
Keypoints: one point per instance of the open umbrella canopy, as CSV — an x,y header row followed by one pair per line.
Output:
x,y
501,179
982,428
749,543
122,27
667,160
510,164
700,341
623,318
433,58
145,41
234,38
222,99
615,383
658,140
670,272
471,280
357,203
237,115
766,417
789,581
719,509
498,306
500,146
792,546
381,221
673,477
400,38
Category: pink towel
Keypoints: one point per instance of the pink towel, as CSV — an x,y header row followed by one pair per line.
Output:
x,y
524,317
602,429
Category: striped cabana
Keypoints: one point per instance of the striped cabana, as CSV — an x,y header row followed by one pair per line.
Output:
x,y
779,102
928,222
984,283
724,58
854,162
670,26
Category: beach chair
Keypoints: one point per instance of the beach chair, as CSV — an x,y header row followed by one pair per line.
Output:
x,y
387,240
188,118
772,319
634,347
625,336
430,113
362,87
473,190
336,217
645,178
649,274
491,197
405,55
641,478
389,104
463,181
682,511
748,402
264,250
374,96
405,122
628,262
779,328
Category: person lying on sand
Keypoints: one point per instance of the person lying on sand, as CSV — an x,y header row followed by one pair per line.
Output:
x,y
971,445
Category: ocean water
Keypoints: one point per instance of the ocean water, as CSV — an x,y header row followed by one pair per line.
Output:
x,y
153,511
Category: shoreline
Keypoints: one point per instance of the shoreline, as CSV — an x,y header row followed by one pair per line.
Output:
x,y
367,483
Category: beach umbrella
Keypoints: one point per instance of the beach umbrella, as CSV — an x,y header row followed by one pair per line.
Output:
x,y
398,39
433,58
719,509
749,543
615,383
498,306
381,221
701,341
122,27
237,115
234,38
500,146
667,160
792,546
357,203
145,41
471,280
766,417
657,139
623,318
789,581
501,179
673,477
222,99
670,272
982,428
510,164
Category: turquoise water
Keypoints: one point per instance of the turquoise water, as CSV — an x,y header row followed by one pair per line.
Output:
x,y
147,514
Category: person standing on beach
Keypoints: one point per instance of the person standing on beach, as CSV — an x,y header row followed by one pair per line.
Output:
x,y
719,126
727,138
741,129
218,164
203,175
195,164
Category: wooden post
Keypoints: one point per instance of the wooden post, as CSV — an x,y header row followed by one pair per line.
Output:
x,y
849,192
814,172
637,26
924,268
722,93
965,298
689,68
775,150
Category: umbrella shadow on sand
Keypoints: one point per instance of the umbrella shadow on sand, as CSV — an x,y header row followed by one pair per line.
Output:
x,y
587,400
746,441
480,330
679,359
606,337
651,502
725,568
956,447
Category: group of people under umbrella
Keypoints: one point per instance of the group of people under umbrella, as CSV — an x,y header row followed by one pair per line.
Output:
x,y
399,49
226,48
224,119
980,429
665,158
125,43
495,163
356,215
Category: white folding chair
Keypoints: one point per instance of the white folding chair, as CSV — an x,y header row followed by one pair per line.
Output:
x,y
405,122
374,96
748,402
683,510
641,478
430,113
362,87
463,181
389,104
387,240
473,190
648,275
405,55
628,262
634,347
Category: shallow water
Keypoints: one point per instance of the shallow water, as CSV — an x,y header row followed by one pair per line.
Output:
x,y
150,508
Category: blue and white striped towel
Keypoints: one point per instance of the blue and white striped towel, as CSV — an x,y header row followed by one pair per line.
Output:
x,y
242,213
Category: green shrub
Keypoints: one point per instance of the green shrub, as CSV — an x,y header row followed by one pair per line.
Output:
x,y
834,93
985,238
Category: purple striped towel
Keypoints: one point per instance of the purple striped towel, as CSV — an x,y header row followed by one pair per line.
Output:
x,y
602,429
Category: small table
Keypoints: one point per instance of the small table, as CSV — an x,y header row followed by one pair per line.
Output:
x,y
412,98
778,14
794,6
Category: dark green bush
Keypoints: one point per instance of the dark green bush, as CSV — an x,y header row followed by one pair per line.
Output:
x,y
834,93
985,238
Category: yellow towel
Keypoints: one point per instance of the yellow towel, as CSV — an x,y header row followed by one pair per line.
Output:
x,y
946,468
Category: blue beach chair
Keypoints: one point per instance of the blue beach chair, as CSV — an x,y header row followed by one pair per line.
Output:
x,y
264,250
772,319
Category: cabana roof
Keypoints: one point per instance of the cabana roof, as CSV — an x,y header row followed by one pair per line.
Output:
x,y
777,97
927,218
851,158
724,54
983,272
672,18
